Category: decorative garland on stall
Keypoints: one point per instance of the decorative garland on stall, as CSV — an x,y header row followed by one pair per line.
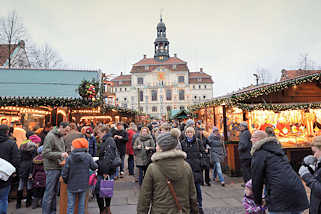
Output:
x,y
278,107
88,89
74,103
236,98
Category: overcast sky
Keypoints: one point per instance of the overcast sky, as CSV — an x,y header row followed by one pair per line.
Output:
x,y
229,39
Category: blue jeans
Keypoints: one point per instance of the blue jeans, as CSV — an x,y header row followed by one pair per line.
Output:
x,y
72,199
141,173
286,212
4,192
217,170
122,157
199,195
50,195
131,164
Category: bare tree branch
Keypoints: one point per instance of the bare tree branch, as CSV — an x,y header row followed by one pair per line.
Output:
x,y
11,32
45,57
305,62
264,75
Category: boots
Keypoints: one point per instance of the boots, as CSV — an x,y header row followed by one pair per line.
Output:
x,y
104,211
35,202
108,210
29,198
19,198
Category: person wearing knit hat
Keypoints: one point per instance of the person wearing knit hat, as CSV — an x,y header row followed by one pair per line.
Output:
x,y
76,174
244,148
80,143
248,202
169,140
168,168
35,139
190,122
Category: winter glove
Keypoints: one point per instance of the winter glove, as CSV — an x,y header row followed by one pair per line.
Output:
x,y
303,171
309,160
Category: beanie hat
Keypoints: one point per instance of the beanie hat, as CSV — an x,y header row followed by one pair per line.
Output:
x,y
34,138
244,124
80,143
249,184
190,122
168,140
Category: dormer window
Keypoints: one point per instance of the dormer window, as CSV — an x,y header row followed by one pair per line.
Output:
x,y
146,67
174,67
199,79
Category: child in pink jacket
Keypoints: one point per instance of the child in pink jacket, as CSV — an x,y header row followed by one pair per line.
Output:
x,y
248,201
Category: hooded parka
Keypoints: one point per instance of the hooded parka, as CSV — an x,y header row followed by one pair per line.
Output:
x,y
270,166
155,191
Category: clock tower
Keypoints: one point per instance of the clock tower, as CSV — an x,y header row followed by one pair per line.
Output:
x,y
161,43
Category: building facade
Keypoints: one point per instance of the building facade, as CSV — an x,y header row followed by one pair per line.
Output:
x,y
160,84
14,56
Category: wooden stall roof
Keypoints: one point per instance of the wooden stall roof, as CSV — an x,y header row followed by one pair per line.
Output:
x,y
303,89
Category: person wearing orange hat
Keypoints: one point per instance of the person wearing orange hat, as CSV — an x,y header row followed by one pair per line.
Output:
x,y
76,174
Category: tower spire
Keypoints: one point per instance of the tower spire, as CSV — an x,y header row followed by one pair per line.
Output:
x,y
161,43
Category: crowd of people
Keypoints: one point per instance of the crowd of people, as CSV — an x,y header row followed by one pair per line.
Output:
x,y
173,160
42,156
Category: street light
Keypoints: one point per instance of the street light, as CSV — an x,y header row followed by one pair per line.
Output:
x,y
257,78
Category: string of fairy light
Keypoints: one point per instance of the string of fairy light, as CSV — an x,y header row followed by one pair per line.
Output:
x,y
236,99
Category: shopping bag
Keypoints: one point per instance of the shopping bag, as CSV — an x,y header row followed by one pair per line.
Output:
x,y
106,188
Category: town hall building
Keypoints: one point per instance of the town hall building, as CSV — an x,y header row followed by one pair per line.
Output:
x,y
160,84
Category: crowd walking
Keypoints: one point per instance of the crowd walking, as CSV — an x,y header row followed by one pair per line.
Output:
x,y
171,161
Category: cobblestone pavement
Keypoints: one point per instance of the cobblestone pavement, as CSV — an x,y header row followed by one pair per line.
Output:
x,y
216,199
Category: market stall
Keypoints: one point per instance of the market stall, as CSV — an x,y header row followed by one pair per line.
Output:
x,y
292,108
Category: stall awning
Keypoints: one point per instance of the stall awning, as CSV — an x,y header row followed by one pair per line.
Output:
x,y
43,82
179,114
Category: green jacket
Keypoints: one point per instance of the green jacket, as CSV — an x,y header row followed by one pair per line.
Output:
x,y
53,147
155,191
140,154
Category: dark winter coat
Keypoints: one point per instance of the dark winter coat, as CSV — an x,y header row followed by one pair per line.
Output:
x,y
217,148
155,191
92,145
314,183
245,144
72,135
108,147
76,171
9,152
194,152
27,153
141,153
53,147
38,173
270,166
121,143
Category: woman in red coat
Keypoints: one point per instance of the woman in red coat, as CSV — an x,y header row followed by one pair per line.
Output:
x,y
129,147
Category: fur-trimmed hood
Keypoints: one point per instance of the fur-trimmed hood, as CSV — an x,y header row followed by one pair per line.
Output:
x,y
168,154
271,140
171,163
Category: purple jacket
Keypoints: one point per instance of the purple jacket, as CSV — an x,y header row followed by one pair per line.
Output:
x,y
250,206
38,174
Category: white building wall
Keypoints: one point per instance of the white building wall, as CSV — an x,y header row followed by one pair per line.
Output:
x,y
161,79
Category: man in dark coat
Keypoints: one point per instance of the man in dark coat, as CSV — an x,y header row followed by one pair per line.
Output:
x,y
285,192
244,148
8,152
121,137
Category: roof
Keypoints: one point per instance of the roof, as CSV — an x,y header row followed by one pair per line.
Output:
x,y
122,80
242,96
43,82
291,74
150,64
199,77
152,61
4,52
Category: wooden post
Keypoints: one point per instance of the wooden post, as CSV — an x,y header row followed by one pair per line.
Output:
x,y
224,124
214,116
63,200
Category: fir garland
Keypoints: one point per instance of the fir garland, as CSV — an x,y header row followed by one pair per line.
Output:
x,y
236,98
